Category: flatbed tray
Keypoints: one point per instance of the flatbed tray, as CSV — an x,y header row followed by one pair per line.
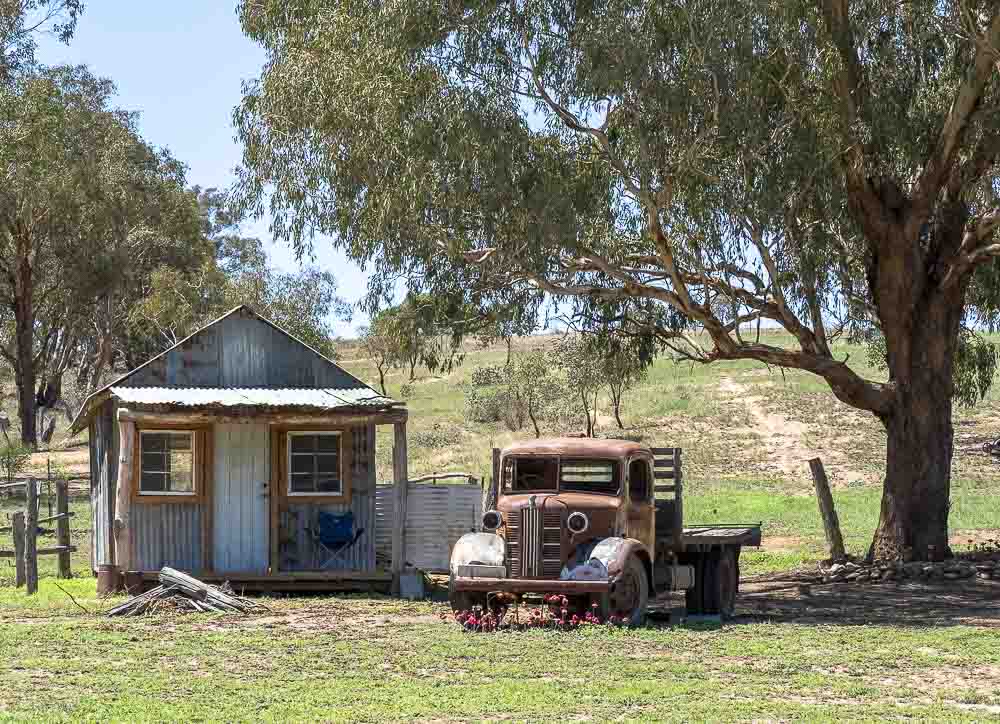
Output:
x,y
747,534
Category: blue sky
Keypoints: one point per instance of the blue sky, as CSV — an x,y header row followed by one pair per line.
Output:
x,y
180,64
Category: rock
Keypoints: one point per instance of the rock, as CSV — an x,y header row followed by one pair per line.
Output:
x,y
888,575
853,576
835,569
952,575
986,566
914,569
985,575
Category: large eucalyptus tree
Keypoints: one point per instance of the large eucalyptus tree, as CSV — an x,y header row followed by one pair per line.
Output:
x,y
823,166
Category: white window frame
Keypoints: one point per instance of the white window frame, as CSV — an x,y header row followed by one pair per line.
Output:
x,y
340,463
194,465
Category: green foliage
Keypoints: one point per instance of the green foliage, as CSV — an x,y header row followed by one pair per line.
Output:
x,y
14,458
20,23
182,297
530,388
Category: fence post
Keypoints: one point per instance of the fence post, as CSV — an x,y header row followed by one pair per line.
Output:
x,y
831,525
17,521
31,537
62,527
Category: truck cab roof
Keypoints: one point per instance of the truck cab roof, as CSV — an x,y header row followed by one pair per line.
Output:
x,y
577,447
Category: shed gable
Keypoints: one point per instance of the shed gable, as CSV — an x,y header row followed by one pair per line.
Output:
x,y
241,350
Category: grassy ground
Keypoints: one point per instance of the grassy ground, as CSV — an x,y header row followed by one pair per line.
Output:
x,y
376,660
746,431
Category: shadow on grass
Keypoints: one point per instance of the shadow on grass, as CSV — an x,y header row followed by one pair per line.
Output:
x,y
904,604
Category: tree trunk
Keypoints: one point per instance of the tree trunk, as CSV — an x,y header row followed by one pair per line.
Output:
x,y
381,380
509,341
921,322
586,411
24,341
531,415
616,404
913,523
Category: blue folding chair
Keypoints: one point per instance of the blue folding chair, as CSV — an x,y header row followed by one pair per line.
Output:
x,y
333,536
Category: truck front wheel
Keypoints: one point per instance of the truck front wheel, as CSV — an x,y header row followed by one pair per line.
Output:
x,y
629,597
464,600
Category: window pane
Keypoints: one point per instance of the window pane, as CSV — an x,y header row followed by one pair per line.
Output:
x,y
154,441
179,441
152,482
302,443
153,462
328,464
302,483
181,482
302,464
179,465
328,484
328,443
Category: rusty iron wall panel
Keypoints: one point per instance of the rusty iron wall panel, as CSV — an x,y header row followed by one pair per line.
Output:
x,y
167,534
103,475
297,549
240,516
437,516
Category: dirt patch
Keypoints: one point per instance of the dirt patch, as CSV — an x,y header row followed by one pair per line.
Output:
x,y
982,537
784,439
782,543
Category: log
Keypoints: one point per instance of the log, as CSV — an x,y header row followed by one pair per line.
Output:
x,y
400,482
31,538
18,520
62,528
210,595
831,524
41,551
123,497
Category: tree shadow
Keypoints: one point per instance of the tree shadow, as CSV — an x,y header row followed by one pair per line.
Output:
x,y
951,603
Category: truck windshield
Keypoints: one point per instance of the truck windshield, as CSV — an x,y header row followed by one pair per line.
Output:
x,y
589,476
549,474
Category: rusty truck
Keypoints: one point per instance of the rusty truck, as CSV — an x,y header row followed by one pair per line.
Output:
x,y
599,522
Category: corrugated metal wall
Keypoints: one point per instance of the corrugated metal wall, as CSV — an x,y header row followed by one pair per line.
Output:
x,y
167,534
242,351
240,516
103,475
296,549
436,517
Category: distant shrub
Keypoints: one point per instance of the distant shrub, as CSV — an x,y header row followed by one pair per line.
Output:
x,y
406,391
437,437
14,458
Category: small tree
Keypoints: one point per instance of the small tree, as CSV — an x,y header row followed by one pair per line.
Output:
x,y
528,388
625,358
581,359
378,343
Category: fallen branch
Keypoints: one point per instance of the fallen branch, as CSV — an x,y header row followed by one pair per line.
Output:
x,y
71,598
188,593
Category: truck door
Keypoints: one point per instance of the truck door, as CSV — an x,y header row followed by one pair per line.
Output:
x,y
641,517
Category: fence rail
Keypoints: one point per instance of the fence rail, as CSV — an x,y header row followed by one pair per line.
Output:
x,y
24,525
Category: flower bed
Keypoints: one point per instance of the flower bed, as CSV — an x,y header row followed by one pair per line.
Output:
x,y
555,614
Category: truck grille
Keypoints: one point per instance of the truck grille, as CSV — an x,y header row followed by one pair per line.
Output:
x,y
534,544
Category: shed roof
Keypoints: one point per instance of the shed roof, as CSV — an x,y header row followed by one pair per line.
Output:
x,y
284,398
241,359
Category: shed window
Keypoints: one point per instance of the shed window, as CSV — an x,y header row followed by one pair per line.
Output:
x,y
314,463
167,462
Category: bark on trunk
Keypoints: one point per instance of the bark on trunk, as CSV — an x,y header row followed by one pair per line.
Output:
x,y
913,523
381,381
25,376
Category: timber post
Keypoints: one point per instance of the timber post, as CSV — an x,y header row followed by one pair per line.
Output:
x,y
17,521
122,530
831,524
400,477
62,528
493,491
31,537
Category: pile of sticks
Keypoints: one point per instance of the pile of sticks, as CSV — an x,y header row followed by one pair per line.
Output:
x,y
185,593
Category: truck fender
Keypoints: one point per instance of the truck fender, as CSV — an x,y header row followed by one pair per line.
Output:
x,y
484,548
614,552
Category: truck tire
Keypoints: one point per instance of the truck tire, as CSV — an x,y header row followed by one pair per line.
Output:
x,y
729,581
630,597
464,600
706,597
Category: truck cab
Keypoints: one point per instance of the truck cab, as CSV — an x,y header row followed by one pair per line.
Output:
x,y
598,521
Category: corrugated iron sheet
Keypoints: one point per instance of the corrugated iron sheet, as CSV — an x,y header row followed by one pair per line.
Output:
x,y
214,397
167,534
437,515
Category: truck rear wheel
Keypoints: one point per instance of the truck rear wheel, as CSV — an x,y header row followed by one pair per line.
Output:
x,y
464,600
716,582
630,596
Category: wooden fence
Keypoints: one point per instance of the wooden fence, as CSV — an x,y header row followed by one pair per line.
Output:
x,y
24,526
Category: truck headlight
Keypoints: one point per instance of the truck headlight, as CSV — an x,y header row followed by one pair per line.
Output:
x,y
492,520
578,522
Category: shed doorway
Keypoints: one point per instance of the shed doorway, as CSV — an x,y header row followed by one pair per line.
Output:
x,y
240,519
